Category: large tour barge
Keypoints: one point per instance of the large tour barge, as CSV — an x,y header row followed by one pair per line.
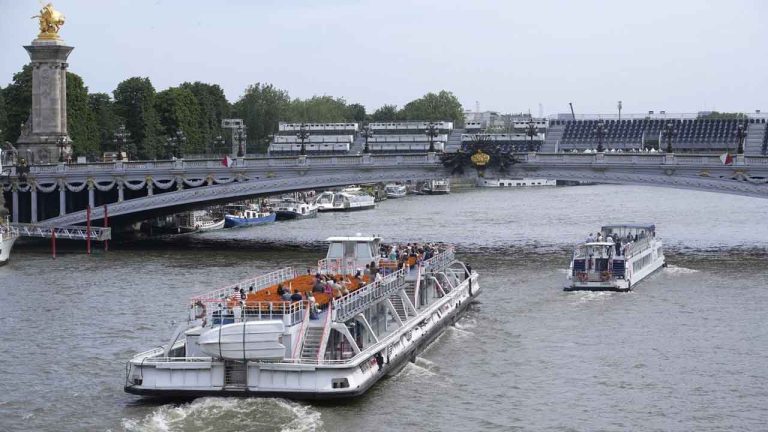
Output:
x,y
615,259
363,324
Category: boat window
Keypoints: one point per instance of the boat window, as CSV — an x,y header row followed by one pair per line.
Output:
x,y
349,249
363,251
335,250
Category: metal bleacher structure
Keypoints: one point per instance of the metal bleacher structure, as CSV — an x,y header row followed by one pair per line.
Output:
x,y
516,140
322,138
407,136
691,134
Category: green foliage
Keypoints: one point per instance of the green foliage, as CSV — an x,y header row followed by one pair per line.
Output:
x,y
318,109
434,107
18,102
81,123
261,108
356,113
212,108
3,121
135,102
178,111
105,119
387,113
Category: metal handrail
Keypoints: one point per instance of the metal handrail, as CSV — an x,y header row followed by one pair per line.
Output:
x,y
326,332
257,282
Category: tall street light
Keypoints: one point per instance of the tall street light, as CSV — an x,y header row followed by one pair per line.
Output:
x,y
531,131
431,132
303,135
121,136
600,131
367,133
619,107
61,142
741,133
218,143
669,132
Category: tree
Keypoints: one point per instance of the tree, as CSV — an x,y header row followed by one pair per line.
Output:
x,y
356,112
105,119
434,107
18,102
178,111
319,109
81,124
387,113
3,120
261,108
213,107
135,102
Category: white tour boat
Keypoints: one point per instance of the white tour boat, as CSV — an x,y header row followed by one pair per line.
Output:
x,y
198,221
437,187
395,190
510,182
347,199
329,347
8,236
617,260
291,208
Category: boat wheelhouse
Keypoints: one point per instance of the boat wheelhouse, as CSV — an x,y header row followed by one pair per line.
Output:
x,y
241,215
437,187
331,346
395,190
347,199
617,259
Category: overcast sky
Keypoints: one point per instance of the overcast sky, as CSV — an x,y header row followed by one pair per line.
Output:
x,y
510,56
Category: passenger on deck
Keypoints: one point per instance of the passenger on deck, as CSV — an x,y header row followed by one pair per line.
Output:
x,y
319,286
236,297
284,294
373,270
296,296
590,239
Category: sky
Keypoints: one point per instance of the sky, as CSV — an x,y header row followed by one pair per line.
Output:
x,y
682,56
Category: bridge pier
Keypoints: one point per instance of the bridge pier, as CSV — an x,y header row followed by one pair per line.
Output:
x,y
120,193
33,204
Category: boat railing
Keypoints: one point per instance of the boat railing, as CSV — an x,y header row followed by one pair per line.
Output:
x,y
357,301
221,313
637,247
258,282
8,231
440,260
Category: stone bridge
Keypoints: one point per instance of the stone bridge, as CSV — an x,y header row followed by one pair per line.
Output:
x,y
57,195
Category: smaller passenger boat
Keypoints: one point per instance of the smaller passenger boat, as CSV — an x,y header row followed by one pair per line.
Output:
x,y
616,259
240,215
437,187
198,221
290,208
511,182
348,199
395,190
8,236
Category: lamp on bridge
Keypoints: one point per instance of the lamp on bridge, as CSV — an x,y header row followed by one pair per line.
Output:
x,y
239,133
367,133
669,132
218,143
121,136
173,142
600,131
61,142
531,131
303,135
431,134
741,133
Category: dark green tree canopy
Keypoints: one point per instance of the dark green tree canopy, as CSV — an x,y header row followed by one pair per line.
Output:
x,y
261,108
212,108
107,122
178,111
81,123
18,102
135,102
387,113
434,107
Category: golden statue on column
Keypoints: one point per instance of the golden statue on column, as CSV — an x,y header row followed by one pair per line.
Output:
x,y
51,21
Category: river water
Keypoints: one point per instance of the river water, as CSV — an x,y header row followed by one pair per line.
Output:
x,y
686,350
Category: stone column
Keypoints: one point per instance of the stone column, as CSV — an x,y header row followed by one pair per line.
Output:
x,y
62,199
91,198
47,123
33,203
150,188
15,201
120,192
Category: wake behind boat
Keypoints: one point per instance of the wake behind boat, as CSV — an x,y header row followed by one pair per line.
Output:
x,y
616,259
328,334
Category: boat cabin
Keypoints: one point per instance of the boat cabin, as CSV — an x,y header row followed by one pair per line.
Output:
x,y
347,254
629,232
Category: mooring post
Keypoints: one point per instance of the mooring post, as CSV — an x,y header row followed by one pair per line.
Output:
x,y
88,230
53,242
106,225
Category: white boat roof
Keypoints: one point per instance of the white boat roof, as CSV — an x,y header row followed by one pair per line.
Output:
x,y
361,239
598,244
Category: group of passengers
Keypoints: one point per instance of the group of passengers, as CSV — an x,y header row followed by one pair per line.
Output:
x,y
335,286
409,255
620,244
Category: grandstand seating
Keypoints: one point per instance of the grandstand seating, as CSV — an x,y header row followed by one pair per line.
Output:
x,y
691,135
324,138
399,137
507,143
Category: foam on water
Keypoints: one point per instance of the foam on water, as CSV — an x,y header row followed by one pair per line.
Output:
x,y
675,270
213,413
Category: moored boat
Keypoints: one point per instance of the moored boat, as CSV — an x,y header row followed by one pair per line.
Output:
x,y
348,199
618,258
437,187
336,344
290,208
395,190
8,236
198,221
514,182
240,215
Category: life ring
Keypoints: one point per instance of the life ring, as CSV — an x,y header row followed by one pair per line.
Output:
x,y
203,312
582,276
604,276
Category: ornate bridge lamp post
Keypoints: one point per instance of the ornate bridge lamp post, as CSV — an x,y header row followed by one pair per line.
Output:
x,y
121,136
600,131
431,132
171,144
367,133
531,131
303,135
669,132
239,134
741,133
61,143
218,143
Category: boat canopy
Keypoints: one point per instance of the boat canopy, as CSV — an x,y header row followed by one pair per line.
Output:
x,y
649,227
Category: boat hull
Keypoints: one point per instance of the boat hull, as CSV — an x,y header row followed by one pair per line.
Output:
x,y
292,215
231,221
346,209
6,244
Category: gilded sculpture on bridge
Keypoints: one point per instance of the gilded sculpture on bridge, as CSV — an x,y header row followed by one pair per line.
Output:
x,y
51,21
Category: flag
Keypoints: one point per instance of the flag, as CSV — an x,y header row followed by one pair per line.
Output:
x,y
227,161
726,158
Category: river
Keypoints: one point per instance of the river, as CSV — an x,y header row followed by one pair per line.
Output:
x,y
686,350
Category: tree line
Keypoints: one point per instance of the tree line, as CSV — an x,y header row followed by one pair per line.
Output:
x,y
196,110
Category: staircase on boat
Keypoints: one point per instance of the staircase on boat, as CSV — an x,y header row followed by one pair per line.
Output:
x,y
312,341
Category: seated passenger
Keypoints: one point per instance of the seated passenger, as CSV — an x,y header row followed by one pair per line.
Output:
x,y
296,296
319,286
